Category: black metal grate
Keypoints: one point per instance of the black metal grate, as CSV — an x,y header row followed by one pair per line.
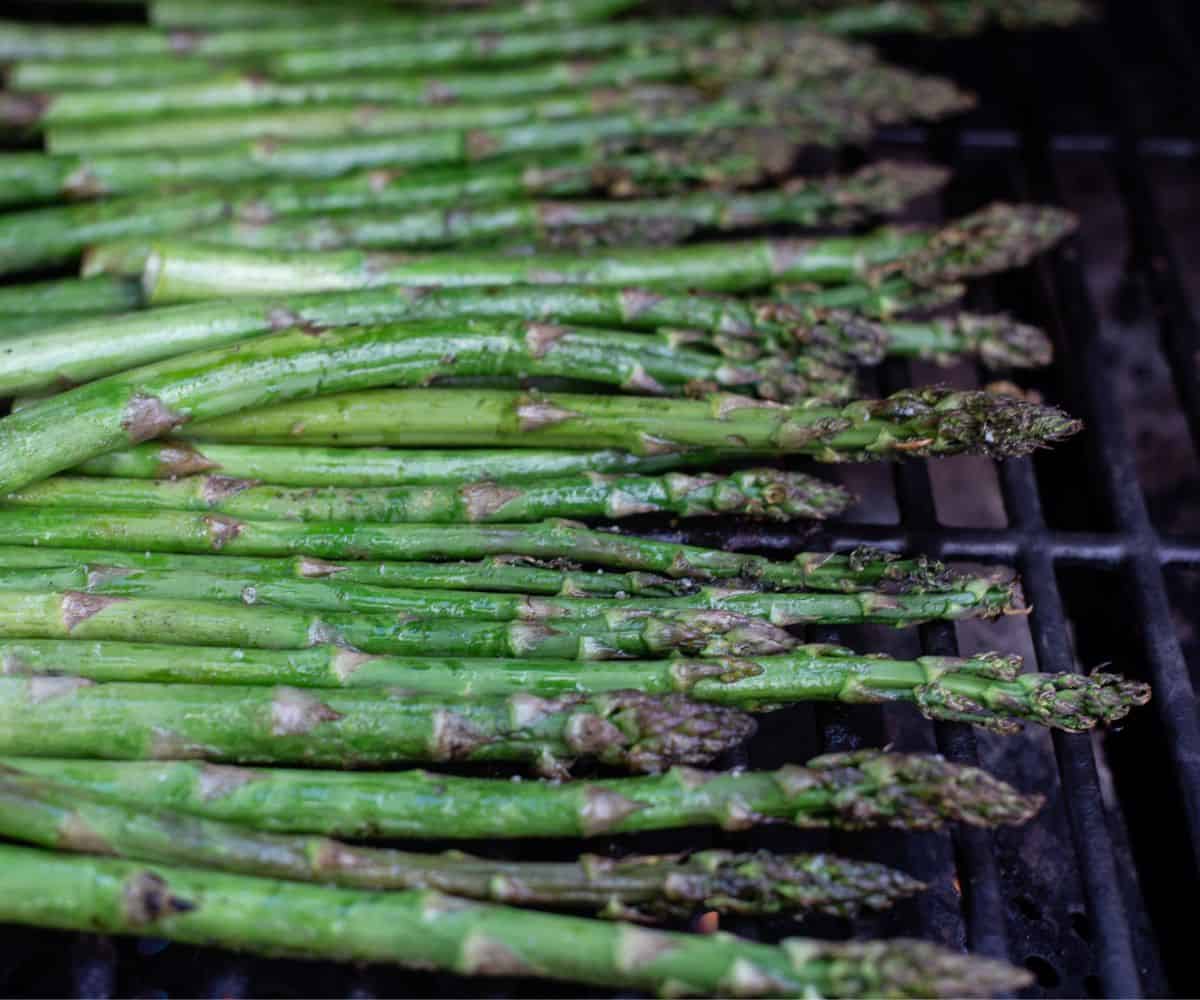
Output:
x,y
1105,531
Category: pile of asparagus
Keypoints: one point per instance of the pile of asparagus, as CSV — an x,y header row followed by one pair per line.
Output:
x,y
375,307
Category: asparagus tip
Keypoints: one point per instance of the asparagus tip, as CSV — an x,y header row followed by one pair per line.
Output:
x,y
782,496
651,734
993,239
905,967
889,185
1071,702
1001,342
982,422
914,791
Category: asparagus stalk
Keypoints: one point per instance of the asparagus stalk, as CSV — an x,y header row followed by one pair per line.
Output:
x,y
551,224
348,121
862,569
451,39
68,717
884,299
373,468
740,54
505,574
64,297
644,888
755,493
841,791
58,234
978,597
997,238
40,76
931,421
827,113
987,690
343,545
942,17
424,352
204,623
426,929
119,410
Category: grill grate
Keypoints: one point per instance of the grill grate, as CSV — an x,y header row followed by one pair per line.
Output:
x,y
1085,895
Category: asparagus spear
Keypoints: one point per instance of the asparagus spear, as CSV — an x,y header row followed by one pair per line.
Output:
x,y
451,40
755,493
57,234
859,570
841,791
65,297
68,717
644,888
506,574
997,238
824,114
987,690
119,410
741,54
425,929
931,421
424,352
550,540
554,225
977,597
374,467
205,623
942,17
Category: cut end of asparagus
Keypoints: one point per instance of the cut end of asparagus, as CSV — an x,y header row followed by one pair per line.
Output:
x,y
633,730
23,109
903,967
910,791
996,238
768,883
1071,702
973,421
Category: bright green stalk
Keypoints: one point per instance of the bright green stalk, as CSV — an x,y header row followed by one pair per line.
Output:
x,y
511,574
36,77
645,888
863,569
755,493
942,17
511,351
883,300
55,299
808,57
344,544
59,233
997,238
555,225
450,39
341,122
977,597
425,929
115,412
69,717
375,467
827,113
909,423
846,791
204,623
996,340
987,690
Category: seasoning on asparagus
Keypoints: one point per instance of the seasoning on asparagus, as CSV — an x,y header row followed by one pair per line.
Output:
x,y
994,239
986,690
426,929
853,791
639,887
